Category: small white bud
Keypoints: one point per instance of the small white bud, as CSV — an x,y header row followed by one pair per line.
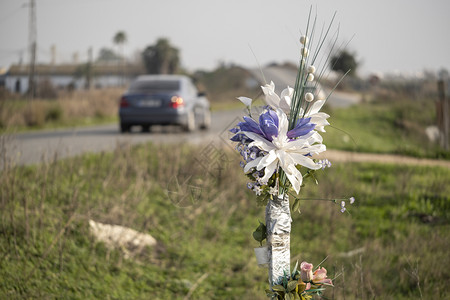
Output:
x,y
311,69
309,97
304,39
310,77
305,52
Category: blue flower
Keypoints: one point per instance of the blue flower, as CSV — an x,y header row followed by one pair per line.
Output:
x,y
268,127
302,128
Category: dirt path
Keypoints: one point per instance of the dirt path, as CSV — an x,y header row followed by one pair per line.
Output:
x,y
345,156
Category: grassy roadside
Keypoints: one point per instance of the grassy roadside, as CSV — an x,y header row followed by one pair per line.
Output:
x,y
399,225
395,126
79,108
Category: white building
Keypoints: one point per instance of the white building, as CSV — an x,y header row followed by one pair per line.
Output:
x,y
15,79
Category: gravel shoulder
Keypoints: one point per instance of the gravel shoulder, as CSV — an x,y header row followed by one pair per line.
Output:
x,y
345,156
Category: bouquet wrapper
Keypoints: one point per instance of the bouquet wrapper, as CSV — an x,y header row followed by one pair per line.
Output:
x,y
278,224
262,256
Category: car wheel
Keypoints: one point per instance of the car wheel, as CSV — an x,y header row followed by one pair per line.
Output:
x,y
190,123
206,120
124,127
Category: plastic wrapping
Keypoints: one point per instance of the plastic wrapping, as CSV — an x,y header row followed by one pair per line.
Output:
x,y
278,224
262,256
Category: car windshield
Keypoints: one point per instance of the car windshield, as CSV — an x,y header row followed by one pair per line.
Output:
x,y
155,86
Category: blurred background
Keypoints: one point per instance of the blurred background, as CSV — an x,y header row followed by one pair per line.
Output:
x,y
64,66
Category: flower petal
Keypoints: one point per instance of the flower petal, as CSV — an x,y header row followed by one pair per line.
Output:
x,y
271,97
259,141
249,125
252,164
303,127
315,108
267,160
269,170
305,161
294,176
283,123
247,101
268,126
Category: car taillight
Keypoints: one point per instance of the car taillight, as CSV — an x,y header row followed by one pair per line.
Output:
x,y
124,102
176,102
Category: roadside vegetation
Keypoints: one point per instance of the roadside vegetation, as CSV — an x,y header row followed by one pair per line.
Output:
x,y
385,126
392,244
65,109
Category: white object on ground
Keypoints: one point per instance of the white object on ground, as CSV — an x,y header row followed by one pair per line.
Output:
x,y
130,241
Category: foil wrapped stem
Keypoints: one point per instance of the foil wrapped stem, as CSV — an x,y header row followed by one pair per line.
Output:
x,y
278,224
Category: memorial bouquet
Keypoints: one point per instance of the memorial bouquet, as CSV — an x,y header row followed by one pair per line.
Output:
x,y
278,148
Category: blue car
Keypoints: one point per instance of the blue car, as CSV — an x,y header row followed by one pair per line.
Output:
x,y
164,100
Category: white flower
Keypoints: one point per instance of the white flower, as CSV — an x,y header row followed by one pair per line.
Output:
x,y
284,153
304,40
273,191
311,69
310,77
273,100
309,97
247,101
257,190
352,200
317,117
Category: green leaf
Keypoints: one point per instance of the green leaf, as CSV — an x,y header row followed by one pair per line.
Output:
x,y
263,199
314,177
271,294
296,205
295,269
292,284
279,288
260,233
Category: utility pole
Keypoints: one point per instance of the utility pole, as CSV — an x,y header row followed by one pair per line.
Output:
x,y
443,114
32,37
89,70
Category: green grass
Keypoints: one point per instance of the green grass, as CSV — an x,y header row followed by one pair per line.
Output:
x,y
204,226
395,127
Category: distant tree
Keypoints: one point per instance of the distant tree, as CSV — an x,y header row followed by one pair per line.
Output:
x,y
108,55
344,61
120,39
161,58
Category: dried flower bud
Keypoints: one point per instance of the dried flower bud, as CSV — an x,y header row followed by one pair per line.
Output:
x,y
306,272
305,52
311,69
304,39
309,97
310,77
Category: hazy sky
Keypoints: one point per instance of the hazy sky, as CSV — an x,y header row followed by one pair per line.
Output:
x,y
389,35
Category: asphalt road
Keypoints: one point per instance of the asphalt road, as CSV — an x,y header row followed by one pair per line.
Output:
x,y
283,77
45,146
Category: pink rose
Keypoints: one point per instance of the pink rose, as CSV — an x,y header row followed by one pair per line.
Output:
x,y
320,277
306,271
